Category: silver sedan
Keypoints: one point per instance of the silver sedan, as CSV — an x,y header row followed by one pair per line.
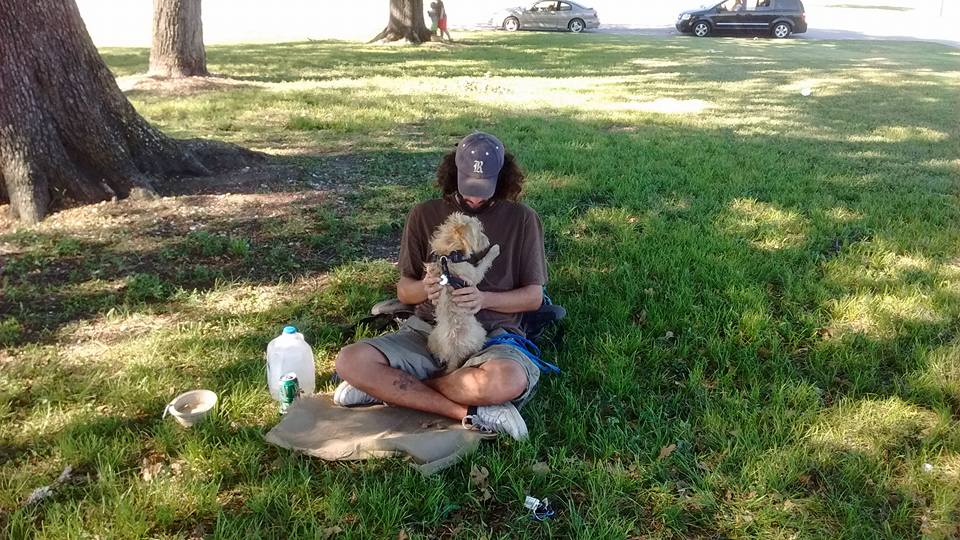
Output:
x,y
547,15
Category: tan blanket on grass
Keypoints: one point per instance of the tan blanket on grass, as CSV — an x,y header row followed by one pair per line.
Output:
x,y
315,426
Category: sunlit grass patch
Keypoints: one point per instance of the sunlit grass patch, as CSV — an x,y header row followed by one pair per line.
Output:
x,y
938,381
872,426
767,227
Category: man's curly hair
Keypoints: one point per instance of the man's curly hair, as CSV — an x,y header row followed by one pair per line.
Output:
x,y
509,183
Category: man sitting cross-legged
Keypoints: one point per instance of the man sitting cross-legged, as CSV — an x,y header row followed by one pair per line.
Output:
x,y
480,179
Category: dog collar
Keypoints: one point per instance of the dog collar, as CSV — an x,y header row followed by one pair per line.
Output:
x,y
446,278
458,256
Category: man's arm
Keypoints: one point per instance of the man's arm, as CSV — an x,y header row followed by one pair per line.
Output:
x,y
416,291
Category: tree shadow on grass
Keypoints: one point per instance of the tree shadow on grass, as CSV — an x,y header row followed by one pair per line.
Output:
x,y
529,55
143,255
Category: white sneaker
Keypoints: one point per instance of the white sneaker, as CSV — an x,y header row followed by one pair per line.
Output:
x,y
347,395
497,419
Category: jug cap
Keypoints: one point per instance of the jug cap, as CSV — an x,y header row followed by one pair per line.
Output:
x,y
289,329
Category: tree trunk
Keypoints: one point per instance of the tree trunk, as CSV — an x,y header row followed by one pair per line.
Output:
x,y
177,49
406,22
67,132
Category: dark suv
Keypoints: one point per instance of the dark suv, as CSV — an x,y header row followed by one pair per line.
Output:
x,y
778,18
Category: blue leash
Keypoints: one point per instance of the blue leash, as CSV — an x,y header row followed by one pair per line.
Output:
x,y
525,346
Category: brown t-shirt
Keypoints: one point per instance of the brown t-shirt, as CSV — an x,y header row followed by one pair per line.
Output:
x,y
514,226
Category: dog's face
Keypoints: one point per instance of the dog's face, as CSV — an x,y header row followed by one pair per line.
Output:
x,y
459,232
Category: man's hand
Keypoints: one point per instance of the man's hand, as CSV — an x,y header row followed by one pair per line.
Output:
x,y
468,299
431,285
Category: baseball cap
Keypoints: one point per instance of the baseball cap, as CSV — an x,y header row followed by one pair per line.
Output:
x,y
479,160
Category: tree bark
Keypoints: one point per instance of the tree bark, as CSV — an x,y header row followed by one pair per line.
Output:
x,y
177,49
406,22
67,132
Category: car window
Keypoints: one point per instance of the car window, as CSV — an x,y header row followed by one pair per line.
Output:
x,y
549,5
764,4
751,5
731,5
565,6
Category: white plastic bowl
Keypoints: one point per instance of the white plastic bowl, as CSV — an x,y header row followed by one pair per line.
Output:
x,y
191,407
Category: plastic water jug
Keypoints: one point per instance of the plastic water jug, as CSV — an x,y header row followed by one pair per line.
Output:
x,y
290,352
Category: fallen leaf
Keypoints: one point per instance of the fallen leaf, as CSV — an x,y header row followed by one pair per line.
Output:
x,y
151,467
478,476
666,451
330,531
540,467
402,535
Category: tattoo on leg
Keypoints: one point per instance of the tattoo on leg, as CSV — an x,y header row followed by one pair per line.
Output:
x,y
404,381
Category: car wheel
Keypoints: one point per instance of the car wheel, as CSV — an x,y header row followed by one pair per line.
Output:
x,y
701,29
576,26
511,24
781,30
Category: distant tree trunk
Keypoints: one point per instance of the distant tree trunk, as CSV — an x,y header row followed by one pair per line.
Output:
x,y
177,49
67,132
406,22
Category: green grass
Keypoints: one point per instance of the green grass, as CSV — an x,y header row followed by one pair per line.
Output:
x,y
768,281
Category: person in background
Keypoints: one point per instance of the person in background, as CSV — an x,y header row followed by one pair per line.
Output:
x,y
442,22
434,14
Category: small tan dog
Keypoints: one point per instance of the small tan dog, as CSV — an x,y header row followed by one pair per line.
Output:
x,y
462,255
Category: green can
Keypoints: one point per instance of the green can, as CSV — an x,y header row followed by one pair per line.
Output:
x,y
289,391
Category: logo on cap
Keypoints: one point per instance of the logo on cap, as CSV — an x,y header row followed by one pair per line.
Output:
x,y
478,167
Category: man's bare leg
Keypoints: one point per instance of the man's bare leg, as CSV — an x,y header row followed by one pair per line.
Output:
x,y
365,368
496,381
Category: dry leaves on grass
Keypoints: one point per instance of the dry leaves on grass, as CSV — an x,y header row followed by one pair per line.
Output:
x,y
666,451
478,478
154,465
540,467
330,531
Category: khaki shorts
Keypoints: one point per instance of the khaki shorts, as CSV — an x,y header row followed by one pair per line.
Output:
x,y
406,350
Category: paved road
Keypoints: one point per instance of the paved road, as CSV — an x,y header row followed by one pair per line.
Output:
x,y
812,33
